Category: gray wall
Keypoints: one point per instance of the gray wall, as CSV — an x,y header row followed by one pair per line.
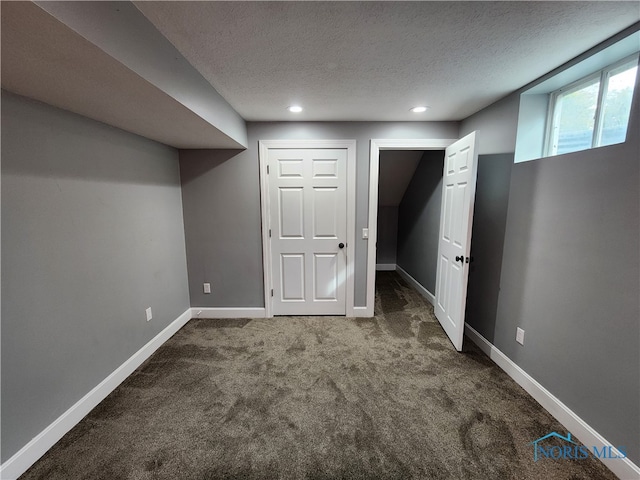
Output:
x,y
92,234
419,221
387,244
487,241
496,126
570,274
238,259
221,198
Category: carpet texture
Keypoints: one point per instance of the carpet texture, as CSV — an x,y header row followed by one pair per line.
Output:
x,y
315,398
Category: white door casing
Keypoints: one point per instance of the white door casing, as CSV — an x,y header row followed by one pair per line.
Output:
x,y
377,145
309,254
454,243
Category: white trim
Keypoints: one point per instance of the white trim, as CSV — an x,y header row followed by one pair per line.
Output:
x,y
385,267
263,155
39,445
413,143
229,312
263,149
361,312
374,172
351,228
415,284
622,467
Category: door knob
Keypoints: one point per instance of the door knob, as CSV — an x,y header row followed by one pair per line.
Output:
x,y
341,245
459,258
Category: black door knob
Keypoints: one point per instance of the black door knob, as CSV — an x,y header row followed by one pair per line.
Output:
x,y
459,258
341,245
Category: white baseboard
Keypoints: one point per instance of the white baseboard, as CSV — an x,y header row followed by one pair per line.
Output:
x,y
414,283
230,312
38,446
362,312
622,467
385,267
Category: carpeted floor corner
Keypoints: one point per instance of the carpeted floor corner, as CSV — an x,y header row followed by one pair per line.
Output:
x,y
315,398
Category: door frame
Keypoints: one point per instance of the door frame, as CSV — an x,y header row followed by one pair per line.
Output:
x,y
263,156
378,144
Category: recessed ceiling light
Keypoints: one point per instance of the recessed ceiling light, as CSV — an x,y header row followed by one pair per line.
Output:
x,y
419,109
295,108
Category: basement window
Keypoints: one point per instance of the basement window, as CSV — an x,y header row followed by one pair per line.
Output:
x,y
583,105
592,112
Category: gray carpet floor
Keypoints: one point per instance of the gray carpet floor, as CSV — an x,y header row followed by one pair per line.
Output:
x,y
315,398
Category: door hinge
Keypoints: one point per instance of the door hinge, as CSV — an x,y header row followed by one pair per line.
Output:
x,y
269,233
272,292
267,169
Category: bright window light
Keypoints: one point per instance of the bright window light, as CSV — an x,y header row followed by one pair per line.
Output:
x,y
616,105
594,111
574,117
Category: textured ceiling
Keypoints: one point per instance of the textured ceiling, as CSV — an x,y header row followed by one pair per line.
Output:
x,y
375,60
371,61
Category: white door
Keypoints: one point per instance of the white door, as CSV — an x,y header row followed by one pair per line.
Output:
x,y
456,219
308,223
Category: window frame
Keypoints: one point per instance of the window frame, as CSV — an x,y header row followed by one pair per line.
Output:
x,y
553,112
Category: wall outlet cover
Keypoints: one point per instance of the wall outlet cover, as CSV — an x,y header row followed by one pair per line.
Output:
x,y
207,288
520,336
149,314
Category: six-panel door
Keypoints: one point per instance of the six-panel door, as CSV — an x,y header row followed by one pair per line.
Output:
x,y
458,195
308,205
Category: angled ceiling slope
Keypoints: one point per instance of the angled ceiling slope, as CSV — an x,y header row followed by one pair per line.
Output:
x,y
396,171
55,53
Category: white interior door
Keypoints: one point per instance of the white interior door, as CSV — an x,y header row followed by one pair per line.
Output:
x,y
456,219
308,228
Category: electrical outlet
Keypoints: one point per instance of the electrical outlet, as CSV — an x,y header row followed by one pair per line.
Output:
x,y
149,314
365,233
207,288
520,336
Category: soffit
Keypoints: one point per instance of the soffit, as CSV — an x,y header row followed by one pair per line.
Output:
x,y
45,60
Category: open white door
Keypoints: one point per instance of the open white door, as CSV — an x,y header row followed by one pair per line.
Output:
x,y
456,220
